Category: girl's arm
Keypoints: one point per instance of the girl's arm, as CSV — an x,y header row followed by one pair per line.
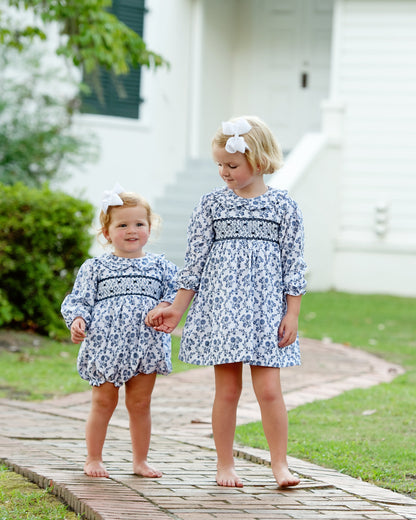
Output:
x,y
288,329
291,249
80,302
166,318
199,243
200,238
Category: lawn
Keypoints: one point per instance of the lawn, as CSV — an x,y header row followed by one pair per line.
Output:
x,y
34,367
20,499
368,434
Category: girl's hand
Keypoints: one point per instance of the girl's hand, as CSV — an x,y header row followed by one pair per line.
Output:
x,y
288,330
163,319
152,319
78,330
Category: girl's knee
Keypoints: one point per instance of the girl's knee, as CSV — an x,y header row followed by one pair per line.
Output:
x,y
104,402
230,393
228,382
137,405
269,395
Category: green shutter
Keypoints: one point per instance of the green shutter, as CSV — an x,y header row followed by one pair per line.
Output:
x,y
121,94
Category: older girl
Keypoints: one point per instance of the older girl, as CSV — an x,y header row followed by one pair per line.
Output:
x,y
244,265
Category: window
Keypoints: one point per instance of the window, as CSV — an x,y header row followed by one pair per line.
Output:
x,y
121,94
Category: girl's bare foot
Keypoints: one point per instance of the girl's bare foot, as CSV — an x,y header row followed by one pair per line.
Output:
x,y
284,477
228,477
144,470
95,468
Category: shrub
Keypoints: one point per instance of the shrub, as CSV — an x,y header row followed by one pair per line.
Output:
x,y
44,238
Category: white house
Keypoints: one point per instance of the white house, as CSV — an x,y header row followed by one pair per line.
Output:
x,y
335,80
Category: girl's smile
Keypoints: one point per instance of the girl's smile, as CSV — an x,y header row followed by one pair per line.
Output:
x,y
128,231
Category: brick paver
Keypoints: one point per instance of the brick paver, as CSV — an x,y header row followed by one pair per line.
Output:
x,y
45,442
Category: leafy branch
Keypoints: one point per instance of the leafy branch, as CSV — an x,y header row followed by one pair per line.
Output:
x,y
91,37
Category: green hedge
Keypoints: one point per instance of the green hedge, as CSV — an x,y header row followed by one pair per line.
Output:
x,y
44,238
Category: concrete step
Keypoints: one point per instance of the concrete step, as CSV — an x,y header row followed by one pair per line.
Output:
x,y
175,206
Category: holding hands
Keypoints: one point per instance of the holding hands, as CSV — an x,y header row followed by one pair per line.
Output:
x,y
163,318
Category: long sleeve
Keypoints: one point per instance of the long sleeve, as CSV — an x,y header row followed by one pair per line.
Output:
x,y
200,238
80,301
169,282
292,247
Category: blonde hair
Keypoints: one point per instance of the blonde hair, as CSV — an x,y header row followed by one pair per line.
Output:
x,y
265,154
130,200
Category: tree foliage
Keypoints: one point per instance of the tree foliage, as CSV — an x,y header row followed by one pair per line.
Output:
x,y
91,36
37,145
37,141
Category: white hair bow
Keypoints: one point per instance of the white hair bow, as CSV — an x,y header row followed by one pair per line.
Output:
x,y
111,197
236,143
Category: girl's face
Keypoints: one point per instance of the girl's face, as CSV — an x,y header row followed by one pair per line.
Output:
x,y
128,231
237,173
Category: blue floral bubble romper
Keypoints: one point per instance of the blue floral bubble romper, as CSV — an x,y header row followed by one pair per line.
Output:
x,y
243,257
113,295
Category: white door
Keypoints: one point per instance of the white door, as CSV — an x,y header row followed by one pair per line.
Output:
x,y
291,64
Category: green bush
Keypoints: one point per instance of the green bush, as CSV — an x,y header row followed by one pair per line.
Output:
x,y
44,238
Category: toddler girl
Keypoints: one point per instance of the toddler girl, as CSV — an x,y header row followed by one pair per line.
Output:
x,y
111,296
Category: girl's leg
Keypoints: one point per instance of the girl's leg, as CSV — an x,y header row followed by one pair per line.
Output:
x,y
103,404
228,385
138,396
266,384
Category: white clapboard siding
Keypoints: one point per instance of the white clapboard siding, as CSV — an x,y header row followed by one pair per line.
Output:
x,y
375,67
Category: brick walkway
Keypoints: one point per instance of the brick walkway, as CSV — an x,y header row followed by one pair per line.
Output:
x,y
45,442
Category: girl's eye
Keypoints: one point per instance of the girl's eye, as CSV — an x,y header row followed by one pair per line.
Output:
x,y
232,166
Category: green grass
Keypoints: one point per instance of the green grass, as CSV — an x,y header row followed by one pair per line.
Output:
x,y
40,368
383,325
368,434
37,367
20,499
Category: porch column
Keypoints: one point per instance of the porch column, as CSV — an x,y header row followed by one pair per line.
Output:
x,y
197,21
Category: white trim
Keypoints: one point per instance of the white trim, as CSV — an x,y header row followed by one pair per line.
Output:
x,y
375,247
299,160
197,25
110,122
335,50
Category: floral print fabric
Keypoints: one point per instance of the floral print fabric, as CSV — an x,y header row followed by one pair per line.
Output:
x,y
114,295
243,257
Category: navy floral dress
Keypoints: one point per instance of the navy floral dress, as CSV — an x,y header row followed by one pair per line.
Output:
x,y
243,257
114,295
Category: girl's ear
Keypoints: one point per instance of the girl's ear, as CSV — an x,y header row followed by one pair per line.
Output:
x,y
106,235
